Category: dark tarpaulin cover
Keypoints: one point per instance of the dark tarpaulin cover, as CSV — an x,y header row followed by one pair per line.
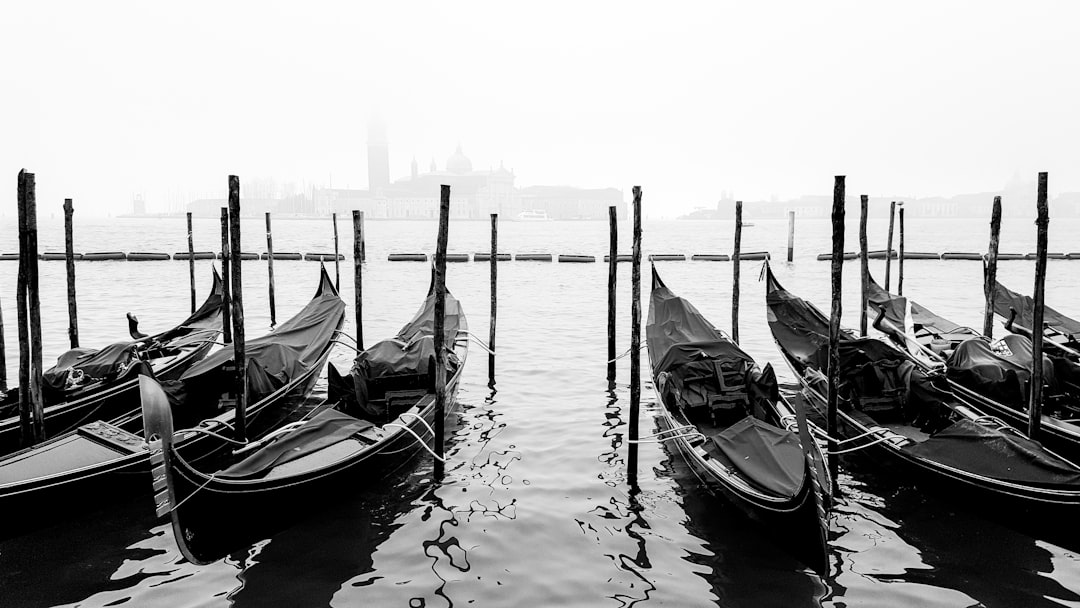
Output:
x,y
1001,376
410,352
1004,300
325,428
770,457
922,318
672,320
285,353
1005,456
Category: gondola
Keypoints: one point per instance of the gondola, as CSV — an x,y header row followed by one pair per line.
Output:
x,y
282,369
892,406
732,426
1060,331
374,420
102,384
994,374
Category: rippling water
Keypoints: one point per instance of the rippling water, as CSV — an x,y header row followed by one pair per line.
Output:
x,y
536,508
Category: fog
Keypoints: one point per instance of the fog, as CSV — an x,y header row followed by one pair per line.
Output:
x,y
105,101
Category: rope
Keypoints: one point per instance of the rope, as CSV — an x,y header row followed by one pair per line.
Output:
x,y
857,448
196,429
423,444
193,493
421,420
649,439
625,354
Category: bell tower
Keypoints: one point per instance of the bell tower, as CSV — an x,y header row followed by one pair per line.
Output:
x,y
378,155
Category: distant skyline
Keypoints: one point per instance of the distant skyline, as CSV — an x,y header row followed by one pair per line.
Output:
x,y
106,101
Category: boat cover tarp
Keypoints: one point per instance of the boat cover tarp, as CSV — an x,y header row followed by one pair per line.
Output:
x,y
1000,371
768,456
325,428
1004,300
921,320
1006,456
282,355
410,353
800,328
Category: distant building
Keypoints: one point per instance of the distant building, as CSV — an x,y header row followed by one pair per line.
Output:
x,y
138,206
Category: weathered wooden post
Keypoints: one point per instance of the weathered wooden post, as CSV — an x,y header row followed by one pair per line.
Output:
x,y
358,275
3,357
864,263
31,407
226,298
236,291
613,262
635,337
494,296
991,268
1042,222
337,264
834,321
888,249
791,236
900,258
440,312
191,261
69,257
270,269
735,274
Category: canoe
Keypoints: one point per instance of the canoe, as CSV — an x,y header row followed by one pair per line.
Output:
x,y
376,419
892,407
102,384
994,375
738,434
283,367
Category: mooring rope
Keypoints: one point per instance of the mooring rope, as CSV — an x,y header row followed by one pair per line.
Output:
x,y
423,443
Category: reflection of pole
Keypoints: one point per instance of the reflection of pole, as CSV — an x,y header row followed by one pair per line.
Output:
x,y
358,276
635,338
991,268
270,269
1042,222
69,257
237,292
735,274
191,260
494,296
834,320
864,263
226,298
440,321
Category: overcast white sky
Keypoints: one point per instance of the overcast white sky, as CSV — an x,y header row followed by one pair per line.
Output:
x,y
106,99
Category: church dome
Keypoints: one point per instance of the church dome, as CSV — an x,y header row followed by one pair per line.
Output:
x,y
458,162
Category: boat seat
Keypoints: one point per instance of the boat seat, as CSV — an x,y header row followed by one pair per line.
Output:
x,y
878,389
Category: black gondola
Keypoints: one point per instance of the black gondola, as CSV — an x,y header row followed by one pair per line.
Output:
x,y
996,375
283,367
90,384
891,405
737,433
1059,330
375,420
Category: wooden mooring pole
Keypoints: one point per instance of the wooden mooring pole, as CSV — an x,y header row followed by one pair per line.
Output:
x,y
612,276
888,249
236,291
1042,223
226,298
358,275
69,258
635,338
991,268
440,312
494,296
191,261
363,239
735,273
900,257
834,321
790,236
31,411
337,264
864,264
270,269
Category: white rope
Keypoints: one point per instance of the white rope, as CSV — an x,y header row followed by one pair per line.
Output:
x,y
625,354
196,429
649,439
421,420
860,447
423,444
